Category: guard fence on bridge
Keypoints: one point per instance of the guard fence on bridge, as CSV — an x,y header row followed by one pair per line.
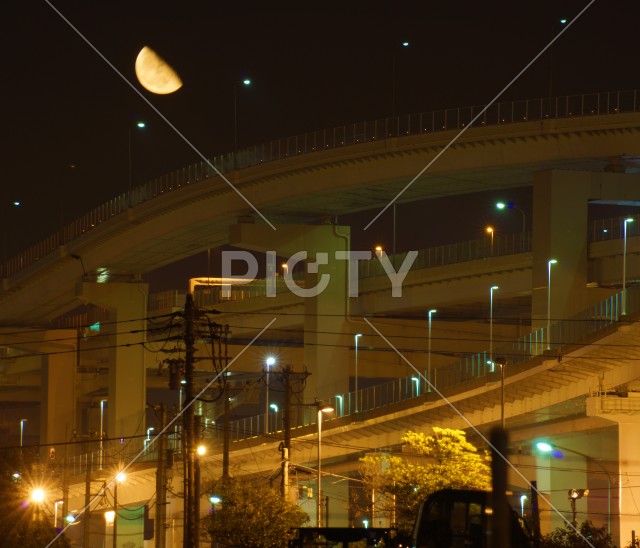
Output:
x,y
569,106
565,336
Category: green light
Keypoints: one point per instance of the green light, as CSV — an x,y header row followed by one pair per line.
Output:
x,y
544,447
405,44
501,205
215,500
563,21
246,82
141,125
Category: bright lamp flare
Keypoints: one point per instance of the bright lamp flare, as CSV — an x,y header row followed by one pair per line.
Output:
x,y
37,495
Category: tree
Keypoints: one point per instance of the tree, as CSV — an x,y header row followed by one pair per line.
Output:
x,y
566,537
252,516
442,460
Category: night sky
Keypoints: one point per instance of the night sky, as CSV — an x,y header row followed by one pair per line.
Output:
x,y
63,106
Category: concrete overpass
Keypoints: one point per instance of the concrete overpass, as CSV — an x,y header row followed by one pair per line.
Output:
x,y
577,157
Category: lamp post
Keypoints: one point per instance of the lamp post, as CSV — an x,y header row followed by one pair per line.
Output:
x,y
522,499
416,381
101,457
549,263
429,314
355,338
556,451
139,125
490,231
404,44
511,205
269,362
120,477
22,421
624,267
274,406
491,290
245,82
321,408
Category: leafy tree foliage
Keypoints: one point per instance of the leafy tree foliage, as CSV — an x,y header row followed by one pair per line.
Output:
x,y
566,537
252,516
442,460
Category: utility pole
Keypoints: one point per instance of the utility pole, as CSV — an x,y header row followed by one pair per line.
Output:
x,y
189,538
86,532
286,427
226,434
161,483
196,486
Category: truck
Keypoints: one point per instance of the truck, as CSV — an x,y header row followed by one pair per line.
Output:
x,y
449,518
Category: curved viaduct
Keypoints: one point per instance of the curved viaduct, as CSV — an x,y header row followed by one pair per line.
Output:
x,y
184,221
568,161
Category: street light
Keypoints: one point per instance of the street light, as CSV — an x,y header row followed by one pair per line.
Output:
x,y
416,381
101,457
550,262
378,250
575,494
490,231
322,408
556,451
120,477
269,362
491,290
274,406
355,338
624,268
511,205
139,125
22,421
429,314
522,499
246,82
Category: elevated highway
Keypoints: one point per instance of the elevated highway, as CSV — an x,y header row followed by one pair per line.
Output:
x,y
584,149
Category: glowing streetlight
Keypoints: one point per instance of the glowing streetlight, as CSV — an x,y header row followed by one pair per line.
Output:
x,y
490,231
149,430
378,250
37,495
550,262
416,380
201,450
139,125
429,381
511,205
22,421
491,290
269,362
101,453
322,408
355,338
119,478
557,452
522,499
624,267
246,82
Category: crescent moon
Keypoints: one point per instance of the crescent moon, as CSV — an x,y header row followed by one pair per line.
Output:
x,y
154,74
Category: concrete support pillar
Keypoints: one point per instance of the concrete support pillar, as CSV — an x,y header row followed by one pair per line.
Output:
x,y
628,474
58,409
560,231
127,385
560,201
326,343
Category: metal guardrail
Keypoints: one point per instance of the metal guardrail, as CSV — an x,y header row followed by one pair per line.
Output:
x,y
570,106
565,335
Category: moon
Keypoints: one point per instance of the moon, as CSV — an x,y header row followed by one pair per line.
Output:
x,y
154,74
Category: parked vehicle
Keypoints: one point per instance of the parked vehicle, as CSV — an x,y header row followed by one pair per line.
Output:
x,y
457,518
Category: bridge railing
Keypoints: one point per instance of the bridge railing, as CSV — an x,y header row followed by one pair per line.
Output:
x,y
336,137
565,335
